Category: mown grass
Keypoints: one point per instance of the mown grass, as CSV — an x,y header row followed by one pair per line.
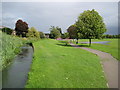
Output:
x,y
10,45
111,48
56,65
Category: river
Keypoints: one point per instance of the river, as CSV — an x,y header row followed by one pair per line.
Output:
x,y
16,74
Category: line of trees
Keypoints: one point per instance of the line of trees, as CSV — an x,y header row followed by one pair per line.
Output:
x,y
22,30
111,36
89,25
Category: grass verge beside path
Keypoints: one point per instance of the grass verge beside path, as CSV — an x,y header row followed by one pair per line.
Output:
x,y
58,66
111,48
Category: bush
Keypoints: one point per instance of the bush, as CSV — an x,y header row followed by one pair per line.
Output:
x,y
33,33
7,30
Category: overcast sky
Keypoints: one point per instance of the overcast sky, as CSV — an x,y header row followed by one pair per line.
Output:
x,y
42,15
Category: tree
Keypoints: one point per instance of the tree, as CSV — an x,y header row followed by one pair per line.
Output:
x,y
73,33
118,36
32,32
90,24
59,29
103,36
54,33
21,28
7,30
42,35
65,35
72,30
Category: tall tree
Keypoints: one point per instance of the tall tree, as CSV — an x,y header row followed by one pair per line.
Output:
x,y
59,29
54,33
73,32
42,35
65,35
21,28
90,24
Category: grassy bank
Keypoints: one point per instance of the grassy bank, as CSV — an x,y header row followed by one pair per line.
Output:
x,y
10,45
58,66
111,48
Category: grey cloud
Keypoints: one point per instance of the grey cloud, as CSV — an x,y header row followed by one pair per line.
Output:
x,y
43,15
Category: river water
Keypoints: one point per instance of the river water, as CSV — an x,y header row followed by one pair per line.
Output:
x,y
101,42
15,75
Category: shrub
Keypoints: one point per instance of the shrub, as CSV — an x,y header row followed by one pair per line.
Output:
x,y
32,32
7,30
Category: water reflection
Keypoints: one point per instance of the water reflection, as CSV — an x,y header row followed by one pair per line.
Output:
x,y
15,75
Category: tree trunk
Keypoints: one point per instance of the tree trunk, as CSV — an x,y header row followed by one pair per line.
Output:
x,y
77,41
90,42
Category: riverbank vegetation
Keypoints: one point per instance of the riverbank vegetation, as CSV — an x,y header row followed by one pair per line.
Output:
x,y
10,46
58,66
12,40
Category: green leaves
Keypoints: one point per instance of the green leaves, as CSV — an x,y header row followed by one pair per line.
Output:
x,y
32,32
91,24
9,47
55,32
72,30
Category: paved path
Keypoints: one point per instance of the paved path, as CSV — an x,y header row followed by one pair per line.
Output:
x,y
109,63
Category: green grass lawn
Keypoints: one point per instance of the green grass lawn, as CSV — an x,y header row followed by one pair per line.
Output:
x,y
111,48
57,66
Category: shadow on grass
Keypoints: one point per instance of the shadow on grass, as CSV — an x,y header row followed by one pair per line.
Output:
x,y
68,45
83,45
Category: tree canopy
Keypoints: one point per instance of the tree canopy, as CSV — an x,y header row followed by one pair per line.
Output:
x,y
32,32
72,30
42,35
90,24
65,35
59,29
7,30
54,32
21,28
